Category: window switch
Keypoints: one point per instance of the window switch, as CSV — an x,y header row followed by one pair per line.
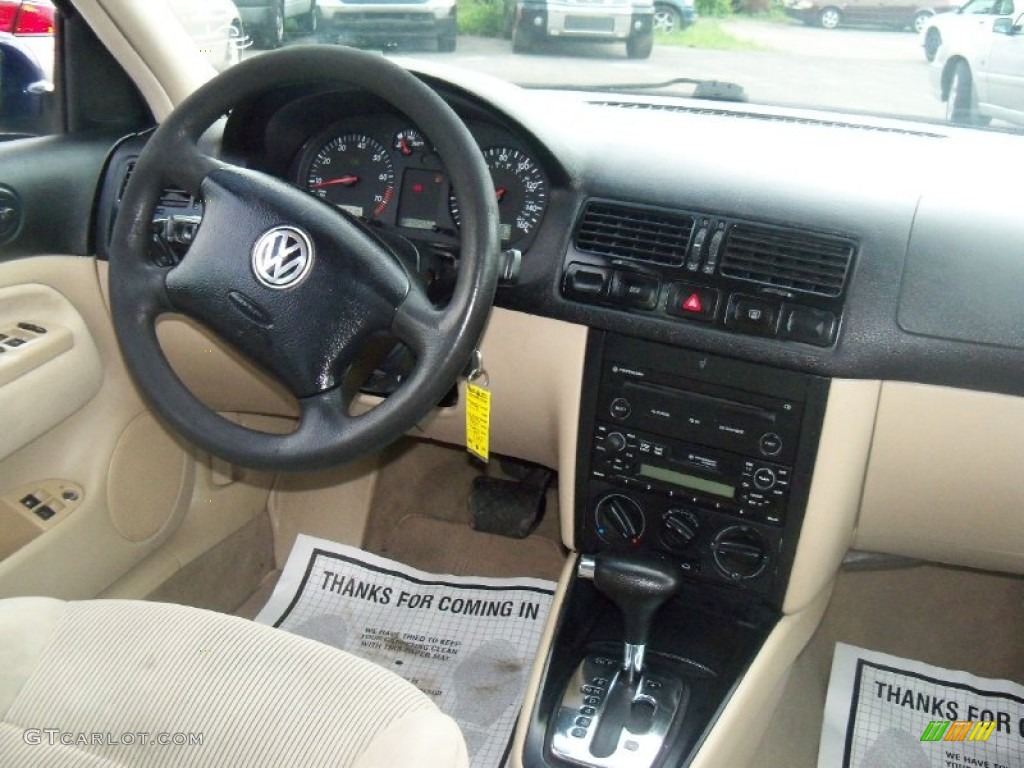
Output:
x,y
44,512
30,502
31,327
15,342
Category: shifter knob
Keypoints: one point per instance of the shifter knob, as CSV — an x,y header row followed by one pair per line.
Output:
x,y
638,583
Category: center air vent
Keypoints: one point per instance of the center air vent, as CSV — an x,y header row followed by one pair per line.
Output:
x,y
789,259
637,234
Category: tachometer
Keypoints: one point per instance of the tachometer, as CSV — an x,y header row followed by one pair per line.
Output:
x,y
521,190
353,172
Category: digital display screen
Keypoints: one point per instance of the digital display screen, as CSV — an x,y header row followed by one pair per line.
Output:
x,y
420,199
687,481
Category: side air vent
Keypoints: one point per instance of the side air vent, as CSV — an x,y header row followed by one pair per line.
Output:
x,y
129,169
171,198
637,234
175,198
790,259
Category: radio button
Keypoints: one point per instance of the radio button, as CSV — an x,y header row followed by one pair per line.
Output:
x,y
770,444
620,408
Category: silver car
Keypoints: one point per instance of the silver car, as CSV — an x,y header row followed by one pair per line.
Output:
x,y
389,23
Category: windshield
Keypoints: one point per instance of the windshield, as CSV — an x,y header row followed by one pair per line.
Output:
x,y
927,61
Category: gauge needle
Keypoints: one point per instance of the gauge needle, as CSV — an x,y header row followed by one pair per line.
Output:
x,y
345,181
501,192
404,146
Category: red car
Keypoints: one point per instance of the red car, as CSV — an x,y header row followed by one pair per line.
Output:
x,y
26,18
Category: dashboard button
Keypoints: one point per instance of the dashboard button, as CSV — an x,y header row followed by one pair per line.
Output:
x,y
620,408
585,282
693,302
634,290
752,315
810,326
770,444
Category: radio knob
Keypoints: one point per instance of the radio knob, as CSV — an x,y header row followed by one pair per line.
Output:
x,y
764,478
620,519
740,552
679,528
615,442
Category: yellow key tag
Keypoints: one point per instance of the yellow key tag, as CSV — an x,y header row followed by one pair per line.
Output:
x,y
478,418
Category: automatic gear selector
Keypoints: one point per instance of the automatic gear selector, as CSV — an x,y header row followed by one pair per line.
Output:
x,y
617,713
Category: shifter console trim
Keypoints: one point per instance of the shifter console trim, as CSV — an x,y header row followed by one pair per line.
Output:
x,y
585,703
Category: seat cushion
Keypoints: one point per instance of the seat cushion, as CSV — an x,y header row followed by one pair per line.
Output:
x,y
96,683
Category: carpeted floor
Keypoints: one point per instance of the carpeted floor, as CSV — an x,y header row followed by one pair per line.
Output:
x,y
419,516
951,617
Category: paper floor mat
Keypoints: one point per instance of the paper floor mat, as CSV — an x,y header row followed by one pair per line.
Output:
x,y
884,711
468,643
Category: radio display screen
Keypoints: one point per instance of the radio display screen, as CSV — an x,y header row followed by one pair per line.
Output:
x,y
687,481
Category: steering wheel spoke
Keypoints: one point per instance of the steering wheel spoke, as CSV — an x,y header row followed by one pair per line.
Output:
x,y
293,284
417,323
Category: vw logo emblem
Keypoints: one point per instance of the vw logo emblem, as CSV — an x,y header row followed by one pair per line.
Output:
x,y
282,257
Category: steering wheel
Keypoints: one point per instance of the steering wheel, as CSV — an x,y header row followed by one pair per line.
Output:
x,y
294,285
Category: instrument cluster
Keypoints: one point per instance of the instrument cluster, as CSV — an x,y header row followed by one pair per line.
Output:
x,y
384,171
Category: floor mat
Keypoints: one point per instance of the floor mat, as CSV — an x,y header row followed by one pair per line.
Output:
x,y
467,642
884,710
439,545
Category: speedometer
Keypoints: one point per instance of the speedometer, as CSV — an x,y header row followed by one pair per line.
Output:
x,y
353,172
520,188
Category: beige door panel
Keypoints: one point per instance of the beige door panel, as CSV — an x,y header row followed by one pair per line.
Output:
x,y
75,420
53,370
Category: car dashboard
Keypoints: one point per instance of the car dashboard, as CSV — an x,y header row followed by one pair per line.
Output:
x,y
748,338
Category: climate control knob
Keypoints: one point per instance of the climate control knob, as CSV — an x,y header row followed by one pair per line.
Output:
x,y
679,528
740,552
620,519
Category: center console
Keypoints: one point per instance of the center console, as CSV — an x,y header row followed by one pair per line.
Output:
x,y
693,471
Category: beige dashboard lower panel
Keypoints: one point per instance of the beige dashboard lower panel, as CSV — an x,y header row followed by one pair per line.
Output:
x,y
944,481
515,759
737,732
835,494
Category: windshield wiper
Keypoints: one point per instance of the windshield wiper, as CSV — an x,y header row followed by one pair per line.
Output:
x,y
713,90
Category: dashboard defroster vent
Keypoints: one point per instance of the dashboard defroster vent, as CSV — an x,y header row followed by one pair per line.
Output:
x,y
637,234
788,259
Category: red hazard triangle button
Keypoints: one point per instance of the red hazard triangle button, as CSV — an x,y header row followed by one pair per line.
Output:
x,y
693,302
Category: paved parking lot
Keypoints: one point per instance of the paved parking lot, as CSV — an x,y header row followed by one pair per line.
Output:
x,y
861,70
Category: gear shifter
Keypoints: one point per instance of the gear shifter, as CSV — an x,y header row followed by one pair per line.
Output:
x,y
639,584
616,714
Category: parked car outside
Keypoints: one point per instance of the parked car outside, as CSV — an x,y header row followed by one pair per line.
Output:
x,y
894,13
266,20
971,18
981,77
32,23
673,15
590,20
389,23
215,26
